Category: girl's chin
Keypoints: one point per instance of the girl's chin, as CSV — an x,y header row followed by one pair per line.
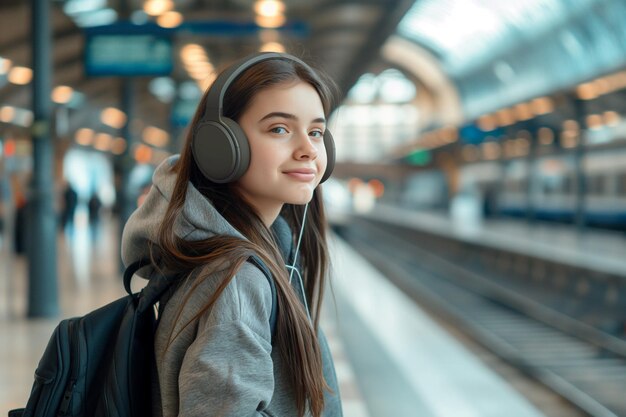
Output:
x,y
301,199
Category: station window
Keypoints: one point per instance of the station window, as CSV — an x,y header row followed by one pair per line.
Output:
x,y
568,185
621,185
595,184
514,186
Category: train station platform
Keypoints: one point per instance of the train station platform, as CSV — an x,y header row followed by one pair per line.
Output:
x,y
593,249
391,358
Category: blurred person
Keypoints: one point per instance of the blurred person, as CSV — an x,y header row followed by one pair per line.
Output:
x,y
70,201
215,351
94,205
21,207
5,201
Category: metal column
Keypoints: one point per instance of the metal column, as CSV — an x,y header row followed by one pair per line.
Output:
x,y
43,297
531,190
126,161
579,156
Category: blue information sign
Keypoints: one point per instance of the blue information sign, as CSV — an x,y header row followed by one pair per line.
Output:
x,y
128,54
126,49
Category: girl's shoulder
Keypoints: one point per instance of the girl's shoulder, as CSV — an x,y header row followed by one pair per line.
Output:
x,y
246,298
250,278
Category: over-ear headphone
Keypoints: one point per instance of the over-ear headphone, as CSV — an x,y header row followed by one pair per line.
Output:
x,y
219,145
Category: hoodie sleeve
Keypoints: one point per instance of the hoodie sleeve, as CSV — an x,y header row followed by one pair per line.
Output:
x,y
228,369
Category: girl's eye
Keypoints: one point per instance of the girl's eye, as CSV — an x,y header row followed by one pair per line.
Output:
x,y
279,130
316,134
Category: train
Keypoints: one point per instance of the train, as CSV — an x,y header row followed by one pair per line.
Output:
x,y
504,187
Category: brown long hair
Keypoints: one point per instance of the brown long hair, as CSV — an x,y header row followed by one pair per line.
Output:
x,y
295,337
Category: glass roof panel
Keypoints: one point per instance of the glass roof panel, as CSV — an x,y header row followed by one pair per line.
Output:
x,y
465,33
501,52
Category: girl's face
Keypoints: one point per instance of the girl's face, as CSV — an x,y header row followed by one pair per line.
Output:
x,y
285,128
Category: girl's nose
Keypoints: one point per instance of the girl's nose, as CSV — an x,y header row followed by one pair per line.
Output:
x,y
306,149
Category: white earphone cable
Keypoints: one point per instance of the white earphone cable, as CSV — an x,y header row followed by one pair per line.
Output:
x,y
295,255
294,268
306,304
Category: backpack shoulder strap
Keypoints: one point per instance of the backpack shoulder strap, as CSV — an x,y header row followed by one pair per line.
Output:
x,y
132,270
256,261
154,296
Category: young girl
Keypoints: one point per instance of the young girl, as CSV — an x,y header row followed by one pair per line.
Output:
x,y
217,352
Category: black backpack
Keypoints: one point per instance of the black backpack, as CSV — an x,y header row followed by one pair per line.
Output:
x,y
101,364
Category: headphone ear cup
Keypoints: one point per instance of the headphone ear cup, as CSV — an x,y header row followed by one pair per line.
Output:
x,y
329,144
242,145
221,150
213,151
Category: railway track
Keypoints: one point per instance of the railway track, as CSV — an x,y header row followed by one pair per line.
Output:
x,y
580,363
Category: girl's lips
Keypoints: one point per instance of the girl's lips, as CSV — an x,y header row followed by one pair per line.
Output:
x,y
304,175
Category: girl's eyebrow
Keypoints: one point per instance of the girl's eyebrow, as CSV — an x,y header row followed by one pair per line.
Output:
x,y
289,116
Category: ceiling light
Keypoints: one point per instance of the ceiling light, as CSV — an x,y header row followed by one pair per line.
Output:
x,y
5,65
170,19
155,136
113,117
7,113
193,52
62,94
505,117
611,118
143,154
486,123
587,91
523,111
196,62
158,7
102,142
20,75
269,8
272,47
84,136
542,105
594,121
617,81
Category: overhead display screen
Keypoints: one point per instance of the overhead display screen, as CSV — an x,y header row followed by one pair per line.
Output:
x,y
128,55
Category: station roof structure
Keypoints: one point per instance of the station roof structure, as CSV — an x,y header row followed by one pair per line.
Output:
x,y
480,54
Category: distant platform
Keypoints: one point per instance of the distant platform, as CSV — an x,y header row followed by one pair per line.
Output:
x,y
596,250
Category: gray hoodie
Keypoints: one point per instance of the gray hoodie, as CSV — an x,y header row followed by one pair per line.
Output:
x,y
223,363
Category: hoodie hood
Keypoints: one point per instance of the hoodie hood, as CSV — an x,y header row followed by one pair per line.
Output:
x,y
199,220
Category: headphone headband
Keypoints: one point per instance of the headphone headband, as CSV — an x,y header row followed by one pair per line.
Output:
x,y
215,97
